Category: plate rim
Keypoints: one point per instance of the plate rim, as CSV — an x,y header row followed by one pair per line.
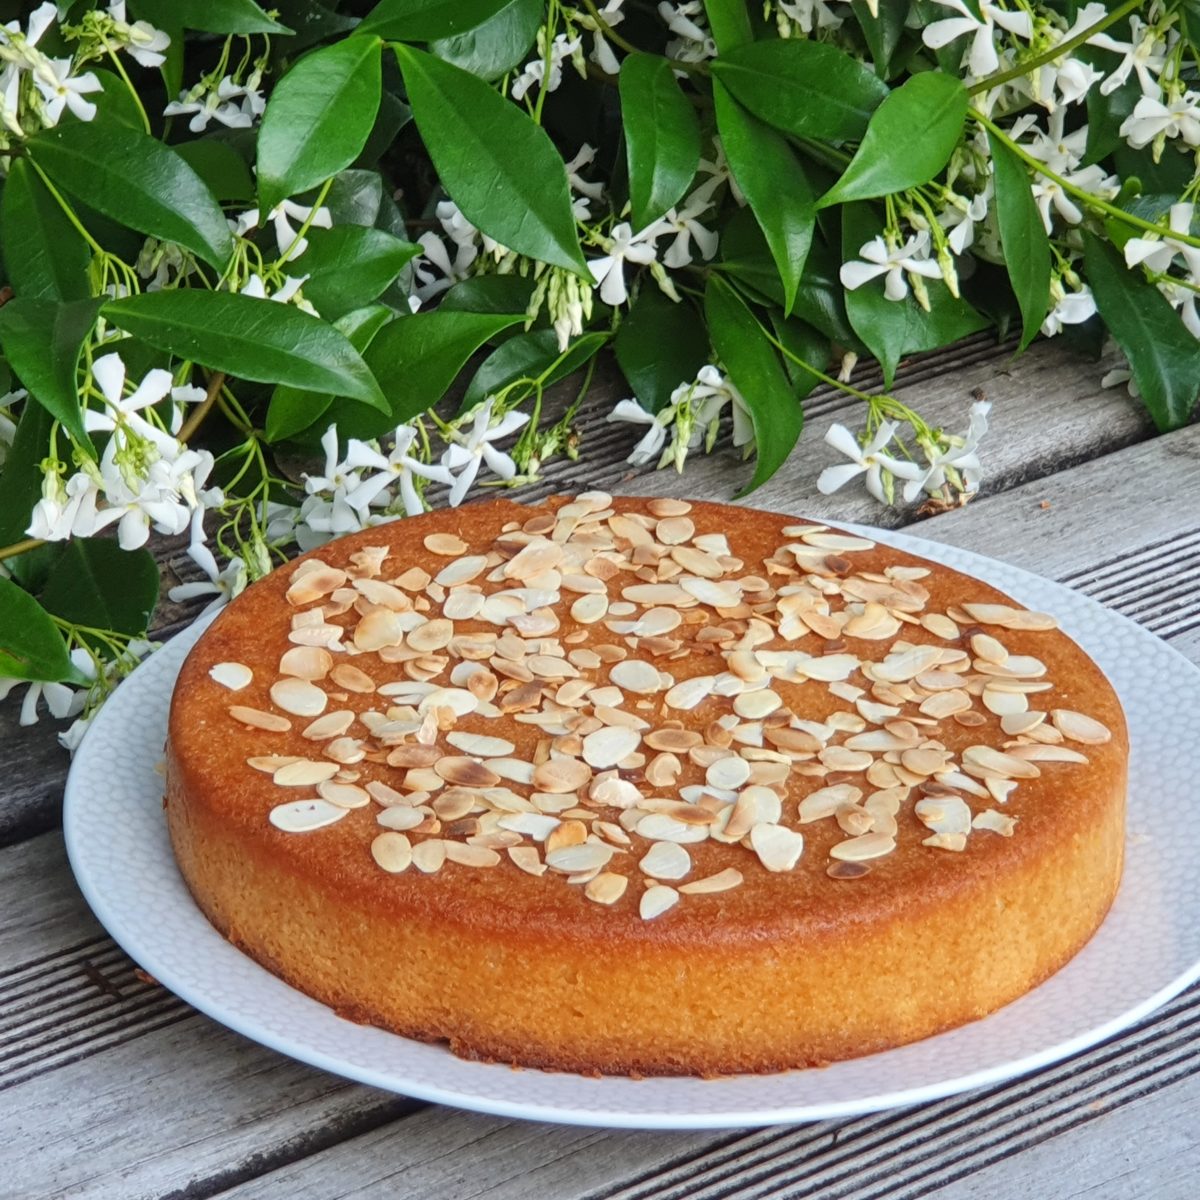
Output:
x,y
260,1031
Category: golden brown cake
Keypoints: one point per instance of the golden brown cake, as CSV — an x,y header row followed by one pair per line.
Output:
x,y
645,786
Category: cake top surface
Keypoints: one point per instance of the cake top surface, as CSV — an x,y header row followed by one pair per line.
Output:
x,y
640,707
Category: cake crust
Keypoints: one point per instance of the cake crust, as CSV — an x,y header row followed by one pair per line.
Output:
x,y
790,968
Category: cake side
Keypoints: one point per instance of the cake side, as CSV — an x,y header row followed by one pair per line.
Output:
x,y
787,968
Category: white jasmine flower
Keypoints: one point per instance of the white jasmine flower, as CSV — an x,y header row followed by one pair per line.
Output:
x,y
144,43
687,228
1048,193
207,103
892,261
1152,118
397,467
623,246
868,460
287,293
65,510
221,584
585,187
10,99
40,20
466,453
1183,300
60,89
281,217
535,70
1158,253
436,255
1070,308
692,43
72,737
960,223
602,53
981,58
1144,54
955,461
156,500
655,436
810,15
62,700
123,414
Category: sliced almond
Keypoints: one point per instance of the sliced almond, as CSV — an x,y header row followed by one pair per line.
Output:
x,y
303,816
392,851
722,881
778,847
607,888
231,675
1081,728
657,900
666,860
257,719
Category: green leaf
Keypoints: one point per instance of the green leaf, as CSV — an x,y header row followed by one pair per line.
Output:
x,y
210,16
773,183
46,257
1023,239
909,140
500,168
115,102
292,410
529,356
30,645
501,43
222,168
662,136
425,20
419,356
729,22
96,583
21,475
892,328
489,294
258,340
318,118
882,30
753,366
42,341
136,180
807,344
805,88
659,345
1163,355
349,265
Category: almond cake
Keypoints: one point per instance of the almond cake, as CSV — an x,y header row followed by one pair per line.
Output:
x,y
645,786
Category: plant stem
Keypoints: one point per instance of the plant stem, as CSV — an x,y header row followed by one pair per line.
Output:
x,y
613,36
312,212
1082,196
203,408
20,547
1055,52
68,211
120,69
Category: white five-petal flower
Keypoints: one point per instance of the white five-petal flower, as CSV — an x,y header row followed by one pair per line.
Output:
x,y
623,246
892,261
982,58
869,460
467,452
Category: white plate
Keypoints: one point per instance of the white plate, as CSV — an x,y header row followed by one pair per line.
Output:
x,y
1146,951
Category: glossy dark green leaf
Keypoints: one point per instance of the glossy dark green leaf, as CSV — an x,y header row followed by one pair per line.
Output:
x,y
425,20
729,21
530,355
1023,239
489,294
804,342
21,475
46,257
882,30
222,168
774,184
349,265
318,118
210,16
659,345
498,45
755,370
500,168
890,329
909,140
115,102
96,583
1163,355
30,645
137,181
662,136
805,88
258,340
42,341
292,410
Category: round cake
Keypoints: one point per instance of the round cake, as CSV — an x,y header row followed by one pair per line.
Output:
x,y
645,786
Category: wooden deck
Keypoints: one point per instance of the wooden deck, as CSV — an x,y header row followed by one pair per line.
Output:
x,y
113,1089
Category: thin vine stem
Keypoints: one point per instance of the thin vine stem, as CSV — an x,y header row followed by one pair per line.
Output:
x,y
68,211
20,547
1055,52
1084,197
602,26
203,408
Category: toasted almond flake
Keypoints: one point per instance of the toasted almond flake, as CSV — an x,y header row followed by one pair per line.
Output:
x,y
946,841
847,870
666,506
636,675
561,775
722,881
727,773
301,816
657,900
826,801
687,694
459,701
778,848
858,849
299,697
1080,728
350,677
345,795
585,856
433,635
480,745
753,706
590,608
392,851
841,543
448,545
429,855
536,556
527,859
257,719
314,584
1015,724
668,594
1004,703
610,745
231,675
946,704
724,594
988,648
673,531
606,888
666,860
304,773
471,856
401,818
944,814
986,762
466,772
661,827
940,625
379,628
1047,753
996,822
331,725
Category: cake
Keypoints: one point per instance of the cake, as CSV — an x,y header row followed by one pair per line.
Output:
x,y
643,786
